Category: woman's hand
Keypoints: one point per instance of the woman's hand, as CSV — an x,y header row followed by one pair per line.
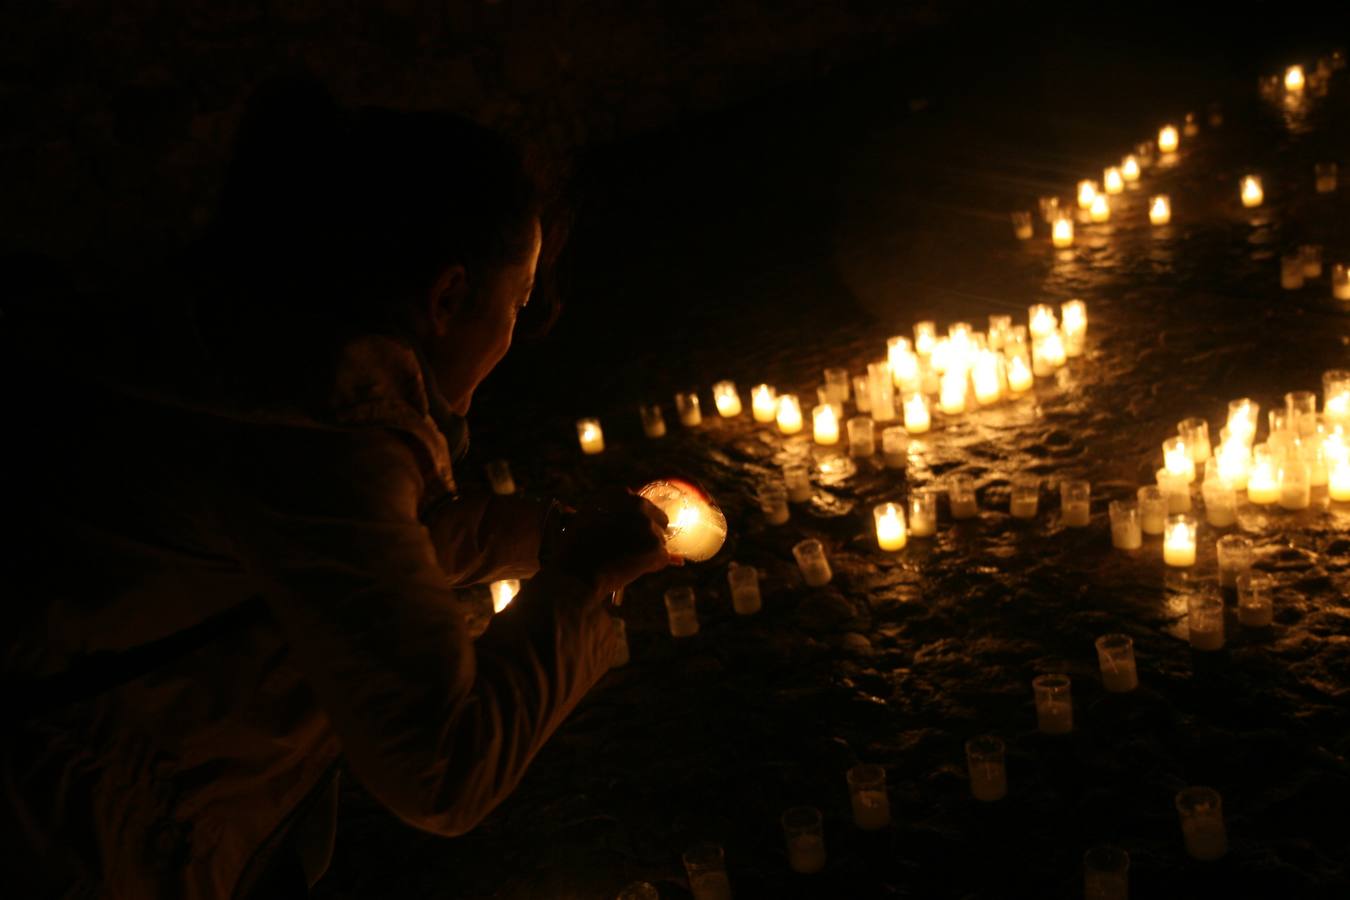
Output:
x,y
614,540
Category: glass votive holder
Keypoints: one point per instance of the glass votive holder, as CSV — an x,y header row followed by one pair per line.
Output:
x,y
744,584
1152,510
1024,496
1061,231
882,386
1204,621
797,481
1291,271
789,414
1106,874
815,567
1021,222
1176,488
1244,414
1177,458
1302,409
895,447
961,497
804,832
727,399
1160,209
1125,531
889,520
1115,657
988,774
682,612
837,384
1179,541
1324,177
688,408
1312,260
1000,327
1054,703
1194,433
1340,281
499,475
923,512
862,394
1256,608
825,424
1049,207
1200,810
706,866
640,890
1235,558
773,502
653,420
918,418
867,791
590,436
861,437
1075,503
1220,502
1295,483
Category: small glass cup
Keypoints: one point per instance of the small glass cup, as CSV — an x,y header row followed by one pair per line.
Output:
x,y
961,497
804,832
1200,810
1049,207
687,405
889,521
1244,414
867,790
1302,409
773,502
1340,281
1125,531
1295,483
639,890
1194,432
682,612
1115,656
499,474
1291,271
1179,541
1021,222
590,436
1106,874
1205,621
653,420
836,385
1255,606
1235,558
1075,503
1176,489
862,394
1220,502
811,559
1312,260
895,447
1054,703
1024,496
1152,510
1324,176
861,437
985,764
923,512
797,481
744,584
706,866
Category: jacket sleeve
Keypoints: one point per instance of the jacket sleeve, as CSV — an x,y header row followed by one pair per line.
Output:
x,y
486,537
438,729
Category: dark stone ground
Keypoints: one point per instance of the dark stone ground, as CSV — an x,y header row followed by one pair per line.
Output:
x,y
769,242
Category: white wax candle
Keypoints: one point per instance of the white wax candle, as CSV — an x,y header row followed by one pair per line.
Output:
x,y
1053,351
1113,180
1338,481
815,568
1041,320
1168,139
1129,169
727,398
882,387
952,400
1179,542
890,524
744,584
1252,194
917,418
1177,459
964,504
789,414
710,886
696,528
503,592
985,377
1294,81
1160,210
1234,462
1262,486
1054,704
1100,210
590,436
825,424
1020,378
923,515
895,447
1061,234
764,403
1205,624
1220,503
1295,485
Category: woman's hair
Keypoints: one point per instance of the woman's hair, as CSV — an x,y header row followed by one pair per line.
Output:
x,y
336,222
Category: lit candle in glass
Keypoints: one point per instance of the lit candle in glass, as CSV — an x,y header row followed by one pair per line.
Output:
x,y
499,475
1291,271
1152,510
1179,542
862,440
1113,180
1024,496
1073,315
1087,192
952,399
987,378
1252,194
1294,80
1115,657
1041,320
923,513
1049,207
503,592
1234,459
1243,414
1263,485
1312,260
917,418
1194,433
1340,281
695,528
925,336
1160,210
1054,703
889,519
1061,233
961,496
1168,139
789,414
764,403
1338,480
1048,354
1100,210
1177,459
1176,489
728,400
1129,169
1220,502
1020,377
826,424
1336,396
591,437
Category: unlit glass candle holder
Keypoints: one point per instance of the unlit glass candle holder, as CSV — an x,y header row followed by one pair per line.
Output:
x,y
1106,874
797,481
986,768
653,420
1115,657
961,497
744,584
1125,531
1075,503
882,388
1302,409
923,512
1200,810
1291,271
1204,621
1220,502
867,792
1021,222
773,502
1176,490
811,560
861,437
1024,496
1152,510
862,394
705,864
1054,703
1256,608
1235,554
1324,176
499,475
639,890
681,612
1312,260
804,832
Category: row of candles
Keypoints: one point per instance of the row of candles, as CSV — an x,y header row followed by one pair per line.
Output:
x,y
962,370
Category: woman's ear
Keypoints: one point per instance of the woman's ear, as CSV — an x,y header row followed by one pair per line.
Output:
x,y
446,300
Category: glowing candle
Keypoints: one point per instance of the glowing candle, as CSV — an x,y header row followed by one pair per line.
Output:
x,y
867,790
1294,80
1338,481
961,496
1263,486
862,440
1312,260
1113,180
1160,210
1047,354
1176,489
1252,195
764,403
1115,658
1243,414
1234,459
862,394
1340,281
1129,169
836,385
952,400
695,527
925,336
591,437
1295,483
1291,271
1061,234
1179,542
1100,210
1041,320
503,592
1177,459
923,513
789,414
689,409
906,372
889,519
1194,433
826,424
728,400
1168,139
1019,374
1073,315
917,418
1201,813
986,378
1220,503
1024,496
1054,703
1087,192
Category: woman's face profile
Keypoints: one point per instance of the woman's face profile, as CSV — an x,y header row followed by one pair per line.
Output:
x,y
470,324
